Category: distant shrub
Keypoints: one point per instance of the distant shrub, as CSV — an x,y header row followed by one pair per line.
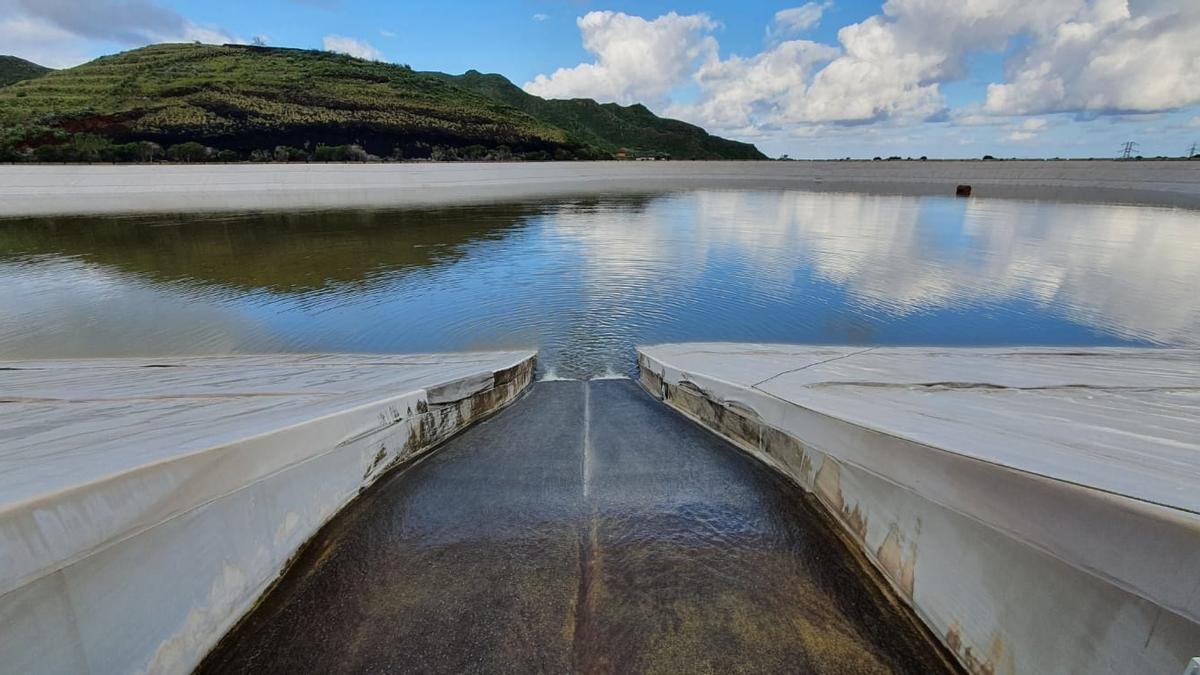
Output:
x,y
47,153
188,152
331,153
326,153
9,153
75,148
284,153
473,152
341,153
149,151
125,152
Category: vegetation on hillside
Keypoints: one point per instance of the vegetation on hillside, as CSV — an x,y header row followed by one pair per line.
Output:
x,y
609,126
192,102
13,69
242,99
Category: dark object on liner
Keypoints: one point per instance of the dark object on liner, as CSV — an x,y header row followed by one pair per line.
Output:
x,y
962,191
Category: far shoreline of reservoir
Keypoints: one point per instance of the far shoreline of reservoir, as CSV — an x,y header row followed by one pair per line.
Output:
x,y
48,190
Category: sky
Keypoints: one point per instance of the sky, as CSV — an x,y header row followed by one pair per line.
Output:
x,y
824,79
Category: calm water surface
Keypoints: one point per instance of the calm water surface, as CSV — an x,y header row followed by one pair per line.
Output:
x,y
586,280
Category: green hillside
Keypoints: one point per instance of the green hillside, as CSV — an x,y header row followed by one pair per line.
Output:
x,y
249,98
13,70
245,102
607,125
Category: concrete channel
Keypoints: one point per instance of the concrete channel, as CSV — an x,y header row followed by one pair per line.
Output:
x,y
585,529
789,509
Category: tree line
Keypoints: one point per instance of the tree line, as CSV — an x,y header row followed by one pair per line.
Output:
x,y
88,148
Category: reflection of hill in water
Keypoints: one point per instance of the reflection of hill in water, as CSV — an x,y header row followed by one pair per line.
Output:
x,y
281,253
587,279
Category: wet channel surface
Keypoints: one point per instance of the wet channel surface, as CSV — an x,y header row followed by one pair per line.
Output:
x,y
587,528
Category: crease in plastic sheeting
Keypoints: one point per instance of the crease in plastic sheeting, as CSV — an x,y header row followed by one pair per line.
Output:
x,y
459,389
735,404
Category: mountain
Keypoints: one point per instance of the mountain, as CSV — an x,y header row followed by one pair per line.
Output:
x,y
251,101
609,126
245,98
13,70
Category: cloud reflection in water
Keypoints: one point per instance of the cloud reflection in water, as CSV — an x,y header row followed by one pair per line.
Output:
x,y
586,280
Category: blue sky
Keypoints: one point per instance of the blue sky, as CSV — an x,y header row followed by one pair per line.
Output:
x,y
498,36
942,78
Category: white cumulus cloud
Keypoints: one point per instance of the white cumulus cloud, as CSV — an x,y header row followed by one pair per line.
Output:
x,y
894,62
741,93
637,60
62,33
1028,129
1093,57
796,20
1107,58
351,46
122,21
41,42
